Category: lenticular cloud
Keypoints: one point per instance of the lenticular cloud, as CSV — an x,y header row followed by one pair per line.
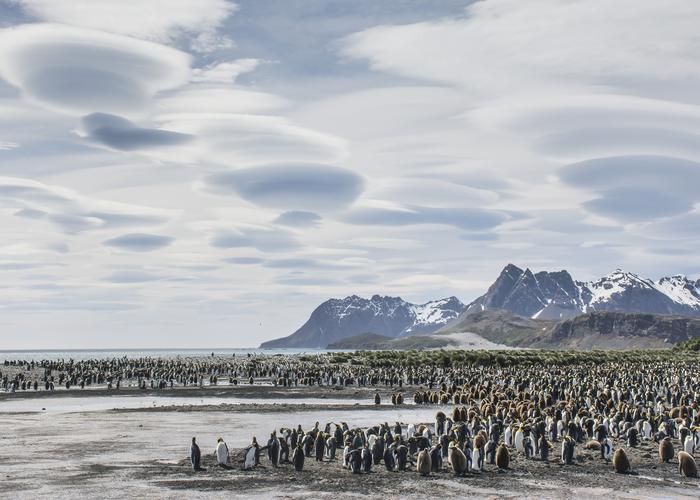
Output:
x,y
79,71
298,186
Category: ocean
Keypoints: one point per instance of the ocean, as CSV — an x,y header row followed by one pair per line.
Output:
x,y
80,354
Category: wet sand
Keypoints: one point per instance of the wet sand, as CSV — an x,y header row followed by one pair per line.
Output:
x,y
142,452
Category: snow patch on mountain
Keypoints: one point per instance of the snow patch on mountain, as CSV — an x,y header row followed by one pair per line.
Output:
x,y
680,289
435,314
556,296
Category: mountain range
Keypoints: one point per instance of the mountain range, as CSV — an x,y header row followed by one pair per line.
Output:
x,y
393,317
520,308
556,295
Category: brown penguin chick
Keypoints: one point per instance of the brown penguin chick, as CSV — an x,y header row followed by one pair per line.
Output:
x,y
479,441
464,414
621,463
377,399
592,445
424,464
502,457
665,450
687,465
458,460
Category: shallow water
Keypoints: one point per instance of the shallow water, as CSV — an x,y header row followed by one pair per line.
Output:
x,y
99,403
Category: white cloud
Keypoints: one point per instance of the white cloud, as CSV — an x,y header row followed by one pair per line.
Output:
x,y
213,98
225,72
79,71
160,20
71,211
510,46
236,140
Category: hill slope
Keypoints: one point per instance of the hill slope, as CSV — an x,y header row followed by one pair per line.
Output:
x,y
596,330
337,319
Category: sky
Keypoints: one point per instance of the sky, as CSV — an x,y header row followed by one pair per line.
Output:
x,y
185,173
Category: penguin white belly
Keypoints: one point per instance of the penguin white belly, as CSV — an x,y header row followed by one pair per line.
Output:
x,y
249,458
519,437
222,453
508,437
608,449
689,445
475,460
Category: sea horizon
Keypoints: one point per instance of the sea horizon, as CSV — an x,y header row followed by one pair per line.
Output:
x,y
82,354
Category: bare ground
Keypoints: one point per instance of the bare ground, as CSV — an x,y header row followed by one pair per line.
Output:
x,y
143,453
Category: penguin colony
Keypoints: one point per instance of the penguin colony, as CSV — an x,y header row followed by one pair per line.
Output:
x,y
475,444
533,413
537,411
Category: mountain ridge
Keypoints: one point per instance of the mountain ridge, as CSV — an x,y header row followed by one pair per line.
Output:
x,y
552,296
337,319
556,295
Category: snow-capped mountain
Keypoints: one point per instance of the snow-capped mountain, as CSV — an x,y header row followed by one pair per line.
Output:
x,y
556,295
337,319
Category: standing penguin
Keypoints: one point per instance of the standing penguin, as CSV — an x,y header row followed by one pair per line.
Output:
x,y
273,449
436,458
665,450
621,463
308,443
543,448
298,458
477,459
519,438
458,460
320,446
401,457
389,459
502,457
508,437
687,465
528,447
440,423
331,446
567,450
632,436
356,461
346,455
377,399
606,449
424,466
378,450
251,454
366,459
491,452
689,444
444,445
195,455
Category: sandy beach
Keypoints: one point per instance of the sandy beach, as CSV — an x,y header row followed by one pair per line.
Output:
x,y
141,450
